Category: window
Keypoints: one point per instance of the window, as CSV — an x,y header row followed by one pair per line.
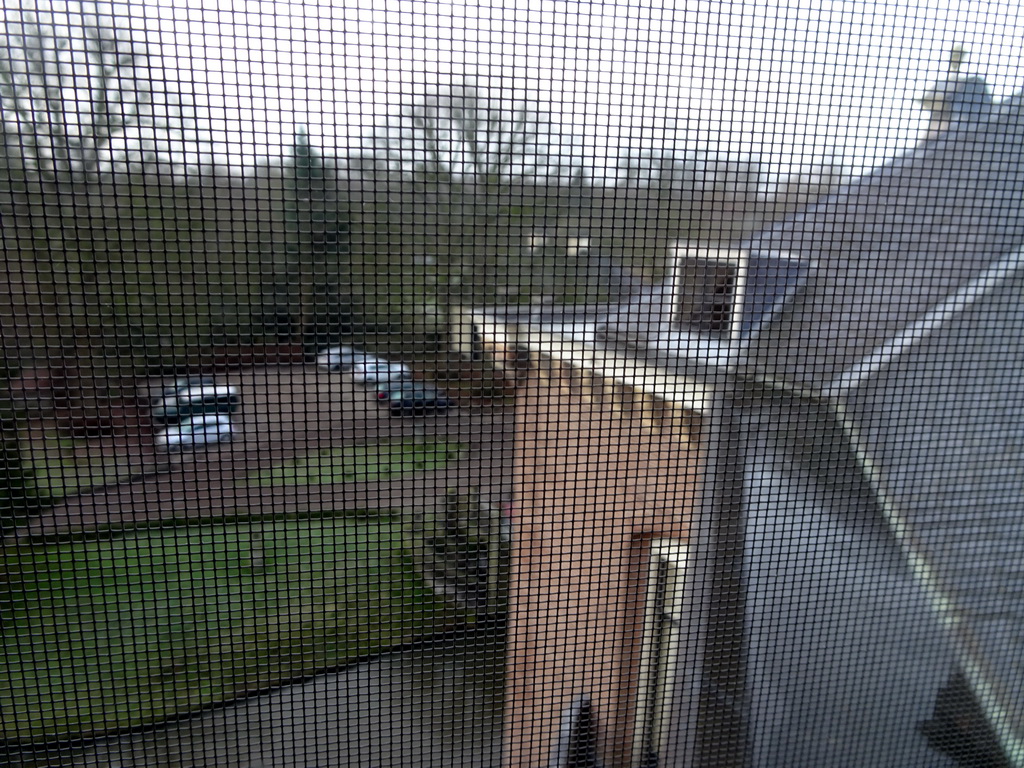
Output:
x,y
666,694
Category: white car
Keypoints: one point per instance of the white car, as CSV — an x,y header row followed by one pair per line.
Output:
x,y
383,372
336,359
197,432
188,402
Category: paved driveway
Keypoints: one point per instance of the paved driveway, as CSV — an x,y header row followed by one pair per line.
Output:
x,y
435,705
287,412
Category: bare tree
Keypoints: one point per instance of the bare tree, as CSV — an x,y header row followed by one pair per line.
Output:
x,y
68,85
72,81
461,164
465,135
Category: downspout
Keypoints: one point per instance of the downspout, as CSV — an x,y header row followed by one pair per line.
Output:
x,y
719,588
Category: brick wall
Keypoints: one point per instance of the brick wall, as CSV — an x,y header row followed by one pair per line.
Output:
x,y
602,469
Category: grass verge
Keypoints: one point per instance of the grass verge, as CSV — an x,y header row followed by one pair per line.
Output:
x,y
100,635
374,461
63,467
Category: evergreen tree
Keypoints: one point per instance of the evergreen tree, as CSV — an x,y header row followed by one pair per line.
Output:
x,y
19,498
316,247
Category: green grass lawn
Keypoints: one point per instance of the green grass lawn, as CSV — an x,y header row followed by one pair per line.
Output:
x,y
61,468
374,461
98,635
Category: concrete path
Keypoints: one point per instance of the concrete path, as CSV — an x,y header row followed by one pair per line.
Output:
x,y
436,706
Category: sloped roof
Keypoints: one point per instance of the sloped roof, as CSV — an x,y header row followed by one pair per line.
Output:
x,y
911,323
941,432
890,247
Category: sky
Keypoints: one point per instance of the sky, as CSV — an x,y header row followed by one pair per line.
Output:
x,y
786,82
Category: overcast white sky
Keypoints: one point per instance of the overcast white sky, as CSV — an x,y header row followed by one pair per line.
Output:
x,y
779,80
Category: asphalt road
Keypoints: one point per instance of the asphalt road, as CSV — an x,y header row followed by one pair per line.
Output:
x,y
287,412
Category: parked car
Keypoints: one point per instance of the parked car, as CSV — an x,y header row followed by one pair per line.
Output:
x,y
413,398
197,432
194,399
365,368
337,359
382,372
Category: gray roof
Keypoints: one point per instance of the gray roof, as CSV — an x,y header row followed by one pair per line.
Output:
x,y
907,328
942,429
911,324
826,597
893,245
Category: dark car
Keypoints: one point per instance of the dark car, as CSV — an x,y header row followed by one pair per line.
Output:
x,y
413,398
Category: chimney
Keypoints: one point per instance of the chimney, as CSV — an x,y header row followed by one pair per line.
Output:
x,y
956,101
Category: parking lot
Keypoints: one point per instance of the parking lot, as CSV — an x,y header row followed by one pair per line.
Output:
x,y
285,413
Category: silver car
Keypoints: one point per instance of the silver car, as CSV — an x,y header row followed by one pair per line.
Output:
x,y
192,401
337,359
381,372
197,432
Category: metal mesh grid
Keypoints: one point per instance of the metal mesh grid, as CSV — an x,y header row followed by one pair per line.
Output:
x,y
535,385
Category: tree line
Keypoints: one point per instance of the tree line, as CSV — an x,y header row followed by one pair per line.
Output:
x,y
126,252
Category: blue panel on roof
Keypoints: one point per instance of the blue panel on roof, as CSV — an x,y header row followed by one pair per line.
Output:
x,y
770,282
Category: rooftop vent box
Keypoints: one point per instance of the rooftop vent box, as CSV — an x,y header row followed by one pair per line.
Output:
x,y
730,294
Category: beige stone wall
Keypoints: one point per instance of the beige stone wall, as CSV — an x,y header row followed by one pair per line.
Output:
x,y
601,470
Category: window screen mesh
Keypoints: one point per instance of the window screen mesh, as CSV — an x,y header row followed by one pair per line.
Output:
x,y
530,385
